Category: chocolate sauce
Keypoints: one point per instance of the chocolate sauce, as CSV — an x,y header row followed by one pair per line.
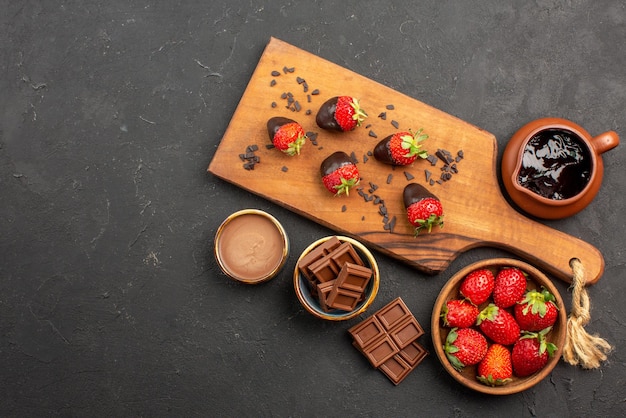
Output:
x,y
333,162
325,118
274,124
556,164
414,192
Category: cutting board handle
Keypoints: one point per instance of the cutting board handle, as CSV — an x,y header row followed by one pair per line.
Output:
x,y
551,250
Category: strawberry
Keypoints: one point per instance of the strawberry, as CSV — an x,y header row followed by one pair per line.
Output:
x,y
339,173
465,347
531,352
401,148
496,368
286,134
423,208
536,311
477,286
340,113
510,286
498,324
459,313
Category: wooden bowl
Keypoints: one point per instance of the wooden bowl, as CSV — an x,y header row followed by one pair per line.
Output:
x,y
312,305
467,376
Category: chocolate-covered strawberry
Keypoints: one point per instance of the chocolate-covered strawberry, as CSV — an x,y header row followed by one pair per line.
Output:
x,y
339,173
423,208
401,148
340,113
286,134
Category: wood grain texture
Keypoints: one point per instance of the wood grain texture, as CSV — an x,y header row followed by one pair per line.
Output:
x,y
476,212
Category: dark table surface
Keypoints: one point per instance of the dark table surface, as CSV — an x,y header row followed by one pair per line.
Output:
x,y
111,303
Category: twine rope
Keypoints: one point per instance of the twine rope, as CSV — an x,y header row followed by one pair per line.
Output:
x,y
581,348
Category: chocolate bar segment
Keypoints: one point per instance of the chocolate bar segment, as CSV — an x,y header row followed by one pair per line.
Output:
x,y
345,253
340,298
393,313
406,332
366,332
413,353
380,350
396,369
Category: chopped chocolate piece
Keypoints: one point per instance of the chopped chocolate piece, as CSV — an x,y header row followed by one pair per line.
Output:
x,y
365,158
396,369
269,146
344,208
439,182
315,92
389,177
408,176
369,153
284,96
272,83
275,73
345,253
368,126
274,104
390,107
252,148
460,153
284,169
382,209
431,182
353,158
308,98
297,106
444,156
377,200
383,115
428,175
308,111
373,187
454,169
372,134
392,223
305,87
289,70
362,218
395,124
432,160
249,165
300,80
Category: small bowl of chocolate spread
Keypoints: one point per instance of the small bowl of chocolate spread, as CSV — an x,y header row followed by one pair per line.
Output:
x,y
251,246
552,168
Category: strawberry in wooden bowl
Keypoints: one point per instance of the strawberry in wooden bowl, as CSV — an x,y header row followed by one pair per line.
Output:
x,y
519,313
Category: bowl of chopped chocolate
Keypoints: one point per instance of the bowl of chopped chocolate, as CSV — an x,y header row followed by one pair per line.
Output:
x,y
498,326
552,168
336,278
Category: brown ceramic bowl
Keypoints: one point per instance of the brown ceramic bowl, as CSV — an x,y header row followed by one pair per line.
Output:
x,y
467,376
544,205
312,305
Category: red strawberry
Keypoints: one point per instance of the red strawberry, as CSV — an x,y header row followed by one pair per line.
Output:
x,y
459,313
341,113
536,311
531,353
465,347
510,287
339,173
477,286
401,148
498,324
496,368
423,208
287,135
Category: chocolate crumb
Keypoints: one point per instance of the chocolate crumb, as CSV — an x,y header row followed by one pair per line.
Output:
x,y
274,104
373,134
368,126
460,153
272,83
284,169
305,87
275,73
344,208
308,111
362,218
369,153
284,95
308,98
315,92
408,176
269,146
395,124
383,115
390,107
389,177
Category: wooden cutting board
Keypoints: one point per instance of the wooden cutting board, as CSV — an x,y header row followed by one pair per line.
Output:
x,y
476,212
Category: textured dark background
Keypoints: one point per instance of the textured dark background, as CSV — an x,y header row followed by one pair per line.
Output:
x,y
111,303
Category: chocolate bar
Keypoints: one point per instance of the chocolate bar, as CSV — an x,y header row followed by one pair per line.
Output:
x,y
388,339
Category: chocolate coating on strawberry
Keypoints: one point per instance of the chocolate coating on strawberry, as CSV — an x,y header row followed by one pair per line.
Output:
x,y
340,113
339,173
401,148
286,135
424,209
